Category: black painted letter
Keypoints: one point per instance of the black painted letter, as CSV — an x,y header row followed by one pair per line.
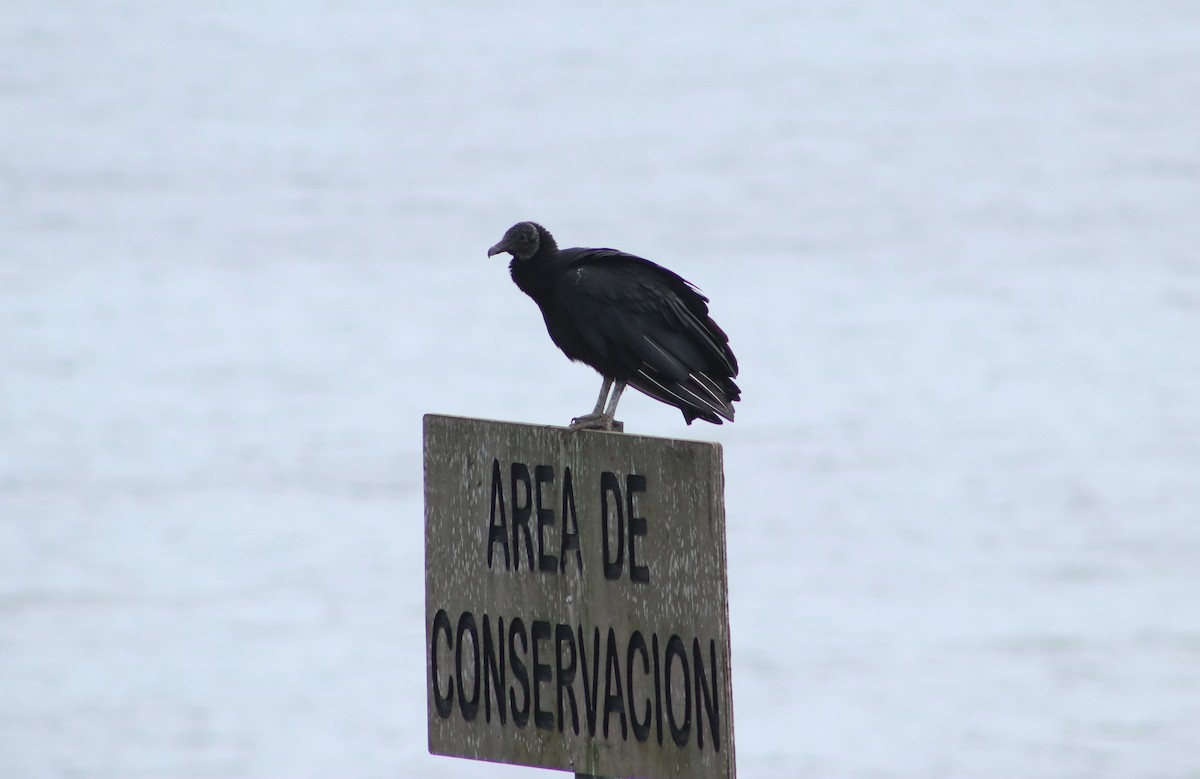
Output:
x,y
541,673
570,527
520,515
467,627
635,483
498,531
564,638
590,697
680,731
516,629
614,694
443,703
613,537
637,645
543,474
707,696
493,669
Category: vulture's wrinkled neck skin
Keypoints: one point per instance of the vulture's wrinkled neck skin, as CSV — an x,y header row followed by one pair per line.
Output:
x,y
533,248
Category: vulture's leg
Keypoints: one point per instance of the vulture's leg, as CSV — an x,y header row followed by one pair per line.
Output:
x,y
604,388
611,411
600,419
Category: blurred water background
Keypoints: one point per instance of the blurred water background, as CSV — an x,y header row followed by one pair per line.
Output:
x,y
242,251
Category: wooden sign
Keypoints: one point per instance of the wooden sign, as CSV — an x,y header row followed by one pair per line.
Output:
x,y
576,607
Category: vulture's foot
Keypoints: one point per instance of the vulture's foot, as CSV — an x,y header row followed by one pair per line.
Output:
x,y
597,422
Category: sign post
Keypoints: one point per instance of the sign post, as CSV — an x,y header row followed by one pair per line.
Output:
x,y
576,604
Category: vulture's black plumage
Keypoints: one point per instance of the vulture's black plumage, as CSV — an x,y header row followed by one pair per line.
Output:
x,y
635,322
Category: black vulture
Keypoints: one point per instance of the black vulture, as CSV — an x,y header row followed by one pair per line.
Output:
x,y
635,322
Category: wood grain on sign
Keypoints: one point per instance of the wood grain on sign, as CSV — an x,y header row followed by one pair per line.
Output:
x,y
576,600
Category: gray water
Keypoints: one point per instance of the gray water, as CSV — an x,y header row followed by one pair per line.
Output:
x,y
955,246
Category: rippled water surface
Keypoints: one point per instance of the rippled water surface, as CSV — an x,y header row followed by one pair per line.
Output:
x,y
242,251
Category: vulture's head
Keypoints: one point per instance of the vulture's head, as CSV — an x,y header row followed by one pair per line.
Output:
x,y
522,240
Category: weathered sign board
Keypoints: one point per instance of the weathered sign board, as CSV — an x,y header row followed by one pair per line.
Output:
x,y
576,607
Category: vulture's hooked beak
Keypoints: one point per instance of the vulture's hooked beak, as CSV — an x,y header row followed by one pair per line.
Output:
x,y
499,248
